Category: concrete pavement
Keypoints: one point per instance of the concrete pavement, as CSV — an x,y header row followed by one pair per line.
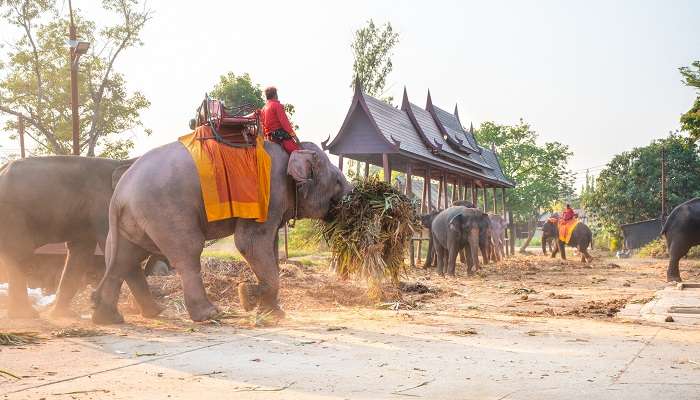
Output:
x,y
350,355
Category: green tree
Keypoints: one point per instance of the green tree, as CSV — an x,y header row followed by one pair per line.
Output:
x,y
629,188
690,121
236,90
540,171
372,48
35,83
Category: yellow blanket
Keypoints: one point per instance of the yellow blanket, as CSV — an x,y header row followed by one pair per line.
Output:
x,y
235,181
566,228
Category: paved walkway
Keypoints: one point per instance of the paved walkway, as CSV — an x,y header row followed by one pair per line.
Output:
x,y
381,355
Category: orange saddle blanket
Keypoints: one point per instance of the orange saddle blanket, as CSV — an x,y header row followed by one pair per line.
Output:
x,y
566,228
235,181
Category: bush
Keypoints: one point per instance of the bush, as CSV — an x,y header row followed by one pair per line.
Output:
x,y
304,236
657,249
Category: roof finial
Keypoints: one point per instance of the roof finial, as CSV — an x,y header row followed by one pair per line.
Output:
x,y
471,128
429,102
404,100
358,85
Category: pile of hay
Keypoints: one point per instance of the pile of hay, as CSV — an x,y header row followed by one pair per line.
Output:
x,y
370,229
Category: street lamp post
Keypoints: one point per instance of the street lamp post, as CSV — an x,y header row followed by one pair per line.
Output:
x,y
77,49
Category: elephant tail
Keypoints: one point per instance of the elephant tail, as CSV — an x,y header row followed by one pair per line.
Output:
x,y
112,250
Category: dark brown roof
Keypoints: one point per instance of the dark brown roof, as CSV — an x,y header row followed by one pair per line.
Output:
x,y
431,136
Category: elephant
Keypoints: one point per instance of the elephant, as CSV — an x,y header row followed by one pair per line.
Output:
x,y
52,200
681,231
550,234
498,236
157,207
426,222
581,238
452,230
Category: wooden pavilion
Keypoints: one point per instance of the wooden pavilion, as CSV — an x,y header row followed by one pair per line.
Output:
x,y
427,142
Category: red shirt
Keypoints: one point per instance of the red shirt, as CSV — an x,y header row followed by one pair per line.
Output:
x,y
568,214
273,118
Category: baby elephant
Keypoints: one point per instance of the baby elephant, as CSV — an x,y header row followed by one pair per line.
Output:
x,y
452,230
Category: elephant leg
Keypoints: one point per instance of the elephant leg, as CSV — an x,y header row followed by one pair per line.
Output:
x,y
452,252
554,247
431,253
544,245
462,257
474,246
440,252
562,249
677,249
19,305
587,256
257,245
77,262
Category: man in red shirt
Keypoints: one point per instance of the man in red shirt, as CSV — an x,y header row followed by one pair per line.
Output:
x,y
569,213
276,124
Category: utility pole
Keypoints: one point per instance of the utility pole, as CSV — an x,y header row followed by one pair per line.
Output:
x,y
20,124
74,83
663,184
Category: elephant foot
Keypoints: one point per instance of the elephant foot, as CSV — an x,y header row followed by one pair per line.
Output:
x,y
22,312
270,315
674,278
106,315
204,313
58,312
248,295
152,310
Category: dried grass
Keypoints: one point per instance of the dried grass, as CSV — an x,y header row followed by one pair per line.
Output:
x,y
369,231
18,338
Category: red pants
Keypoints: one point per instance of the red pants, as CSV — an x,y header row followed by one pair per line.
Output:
x,y
290,145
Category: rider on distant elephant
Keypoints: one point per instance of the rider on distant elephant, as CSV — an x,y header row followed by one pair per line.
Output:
x,y
569,213
275,123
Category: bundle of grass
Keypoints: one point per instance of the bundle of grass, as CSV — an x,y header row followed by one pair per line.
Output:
x,y
18,338
369,230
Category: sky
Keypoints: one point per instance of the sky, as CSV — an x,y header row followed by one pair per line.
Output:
x,y
599,76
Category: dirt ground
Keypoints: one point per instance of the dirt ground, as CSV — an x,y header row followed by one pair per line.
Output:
x,y
525,290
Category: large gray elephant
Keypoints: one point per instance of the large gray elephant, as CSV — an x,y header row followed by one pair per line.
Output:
x,y
682,231
452,230
157,207
51,200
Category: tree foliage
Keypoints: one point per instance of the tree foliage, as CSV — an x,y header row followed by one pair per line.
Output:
x,y
629,188
35,82
690,121
236,90
372,48
539,171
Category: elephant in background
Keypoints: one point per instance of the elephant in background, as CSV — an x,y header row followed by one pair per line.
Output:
x,y
581,238
53,200
681,231
452,230
498,236
157,207
550,234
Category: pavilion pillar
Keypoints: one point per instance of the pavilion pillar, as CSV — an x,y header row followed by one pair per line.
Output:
x,y
444,194
455,190
484,190
429,185
440,184
474,194
503,211
495,202
366,169
340,162
387,169
409,181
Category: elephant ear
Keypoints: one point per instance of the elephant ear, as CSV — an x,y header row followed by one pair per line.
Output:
x,y
456,222
302,167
